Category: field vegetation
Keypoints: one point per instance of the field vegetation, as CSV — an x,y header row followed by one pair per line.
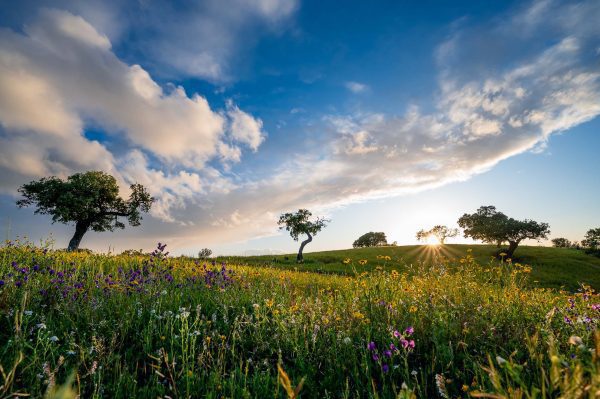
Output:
x,y
153,326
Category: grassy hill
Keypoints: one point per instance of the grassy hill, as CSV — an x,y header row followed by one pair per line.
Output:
x,y
551,267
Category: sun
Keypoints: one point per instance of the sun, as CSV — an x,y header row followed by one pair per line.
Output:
x,y
432,241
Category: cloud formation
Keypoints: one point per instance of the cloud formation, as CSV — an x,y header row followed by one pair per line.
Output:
x,y
62,76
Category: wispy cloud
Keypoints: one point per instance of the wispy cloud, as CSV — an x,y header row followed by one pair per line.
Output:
x,y
356,87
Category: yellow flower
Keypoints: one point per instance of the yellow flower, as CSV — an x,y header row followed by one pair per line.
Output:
x,y
269,303
465,388
362,261
346,261
412,309
207,339
503,254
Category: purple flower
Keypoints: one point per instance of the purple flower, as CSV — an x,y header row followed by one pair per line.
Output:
x,y
393,347
385,368
411,344
371,346
404,343
567,320
387,353
1,283
375,356
409,331
18,283
396,333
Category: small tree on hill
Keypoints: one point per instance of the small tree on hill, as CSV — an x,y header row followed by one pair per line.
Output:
x,y
489,225
371,239
440,232
297,223
592,239
90,200
205,253
561,243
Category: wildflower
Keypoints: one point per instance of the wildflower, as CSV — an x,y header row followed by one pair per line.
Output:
x,y
375,357
371,346
28,313
409,331
53,338
1,283
412,309
396,333
70,352
41,326
347,341
575,340
387,353
362,262
500,360
465,388
346,261
385,368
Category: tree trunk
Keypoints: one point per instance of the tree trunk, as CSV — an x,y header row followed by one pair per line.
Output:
x,y
512,246
299,258
80,229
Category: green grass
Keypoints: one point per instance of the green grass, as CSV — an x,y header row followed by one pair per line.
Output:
x,y
102,326
551,267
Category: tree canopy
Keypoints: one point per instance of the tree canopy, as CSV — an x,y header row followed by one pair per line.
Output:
x,y
298,223
370,239
90,200
438,231
489,225
561,242
592,239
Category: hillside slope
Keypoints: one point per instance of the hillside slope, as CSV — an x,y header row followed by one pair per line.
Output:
x,y
551,267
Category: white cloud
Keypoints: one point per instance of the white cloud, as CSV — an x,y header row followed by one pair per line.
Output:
x,y
62,76
356,87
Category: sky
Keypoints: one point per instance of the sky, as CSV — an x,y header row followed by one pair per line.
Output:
x,y
381,116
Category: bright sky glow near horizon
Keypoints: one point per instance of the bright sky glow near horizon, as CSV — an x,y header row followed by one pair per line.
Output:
x,y
382,116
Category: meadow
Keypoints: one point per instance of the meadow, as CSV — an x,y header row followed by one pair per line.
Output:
x,y
116,326
560,268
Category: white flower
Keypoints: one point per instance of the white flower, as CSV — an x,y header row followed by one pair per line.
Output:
x,y
347,341
53,338
41,326
28,313
500,360
71,353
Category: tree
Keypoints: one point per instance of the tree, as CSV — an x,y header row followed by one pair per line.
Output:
x,y
592,239
438,231
205,253
90,200
298,223
561,243
489,225
371,239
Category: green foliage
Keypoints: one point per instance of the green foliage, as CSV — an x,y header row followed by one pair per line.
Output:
x,y
491,226
561,242
90,199
438,231
297,223
204,253
592,239
371,239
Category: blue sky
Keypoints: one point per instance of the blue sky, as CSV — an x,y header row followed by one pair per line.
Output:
x,y
386,116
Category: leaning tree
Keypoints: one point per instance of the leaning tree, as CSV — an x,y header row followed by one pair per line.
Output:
x,y
297,223
438,231
90,200
489,225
